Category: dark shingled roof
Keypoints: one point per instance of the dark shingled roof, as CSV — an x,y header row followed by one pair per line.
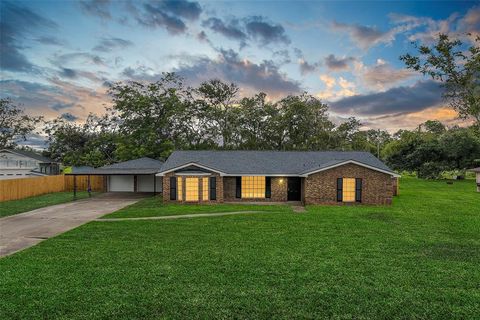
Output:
x,y
270,162
30,154
136,166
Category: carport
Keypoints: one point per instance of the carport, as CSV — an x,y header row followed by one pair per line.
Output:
x,y
136,175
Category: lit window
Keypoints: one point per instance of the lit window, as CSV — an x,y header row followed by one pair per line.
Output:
x,y
191,189
179,189
348,190
205,189
253,187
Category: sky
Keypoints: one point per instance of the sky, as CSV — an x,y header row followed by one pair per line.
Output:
x,y
58,58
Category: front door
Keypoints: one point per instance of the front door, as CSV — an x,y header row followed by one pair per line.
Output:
x,y
294,189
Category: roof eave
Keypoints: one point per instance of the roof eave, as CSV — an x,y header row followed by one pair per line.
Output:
x,y
307,173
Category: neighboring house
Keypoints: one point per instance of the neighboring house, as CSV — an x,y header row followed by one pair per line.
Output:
x,y
477,171
21,163
136,175
311,177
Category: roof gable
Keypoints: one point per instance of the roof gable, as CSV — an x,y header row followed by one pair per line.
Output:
x,y
29,154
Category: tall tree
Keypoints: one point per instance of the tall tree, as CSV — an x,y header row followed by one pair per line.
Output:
x,y
217,102
303,123
92,143
458,69
15,125
150,117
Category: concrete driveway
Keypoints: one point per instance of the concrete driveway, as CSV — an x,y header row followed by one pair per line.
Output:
x,y
26,229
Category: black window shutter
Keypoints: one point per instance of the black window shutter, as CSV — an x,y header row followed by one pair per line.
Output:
x,y
213,188
238,187
268,187
339,190
358,190
173,188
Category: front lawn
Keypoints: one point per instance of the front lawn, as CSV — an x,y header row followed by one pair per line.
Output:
x,y
9,208
419,258
154,207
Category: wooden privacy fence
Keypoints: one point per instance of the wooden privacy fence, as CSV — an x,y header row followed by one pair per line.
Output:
x,y
14,189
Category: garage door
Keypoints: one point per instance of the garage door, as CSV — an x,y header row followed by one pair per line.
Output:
x,y
121,184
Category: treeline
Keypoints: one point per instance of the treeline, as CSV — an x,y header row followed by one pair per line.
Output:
x,y
153,119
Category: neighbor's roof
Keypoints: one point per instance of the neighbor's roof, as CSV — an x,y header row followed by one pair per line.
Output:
x,y
271,162
29,154
475,169
136,166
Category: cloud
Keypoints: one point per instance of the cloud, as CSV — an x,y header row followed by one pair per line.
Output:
x,y
428,29
254,28
110,44
306,67
265,32
69,117
231,30
337,64
98,8
50,40
229,67
470,23
77,74
366,37
77,57
182,8
53,99
344,87
68,73
169,15
383,75
420,96
60,106
16,23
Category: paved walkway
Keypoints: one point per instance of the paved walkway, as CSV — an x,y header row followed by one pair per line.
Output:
x,y
181,216
26,229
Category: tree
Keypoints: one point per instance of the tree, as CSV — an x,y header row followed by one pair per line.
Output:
x,y
217,103
15,125
151,117
433,126
303,124
457,69
90,144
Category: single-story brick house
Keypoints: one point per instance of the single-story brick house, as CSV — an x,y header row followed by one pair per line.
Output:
x,y
330,177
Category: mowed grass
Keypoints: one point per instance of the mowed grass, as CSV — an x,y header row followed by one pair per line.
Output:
x,y
154,207
9,208
419,258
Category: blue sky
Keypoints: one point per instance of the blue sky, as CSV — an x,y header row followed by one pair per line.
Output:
x,y
58,57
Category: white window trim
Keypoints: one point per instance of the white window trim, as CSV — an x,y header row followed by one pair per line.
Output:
x,y
160,174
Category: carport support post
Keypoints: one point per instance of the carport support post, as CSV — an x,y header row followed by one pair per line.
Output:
x,y
89,188
74,186
154,185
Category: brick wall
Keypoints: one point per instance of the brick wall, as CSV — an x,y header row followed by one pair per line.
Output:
x,y
278,184
321,187
166,188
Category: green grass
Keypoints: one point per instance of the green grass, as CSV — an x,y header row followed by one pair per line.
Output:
x,y
154,207
419,258
9,208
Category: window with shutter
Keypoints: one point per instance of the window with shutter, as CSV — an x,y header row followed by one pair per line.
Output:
x,y
173,188
358,190
268,187
213,188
